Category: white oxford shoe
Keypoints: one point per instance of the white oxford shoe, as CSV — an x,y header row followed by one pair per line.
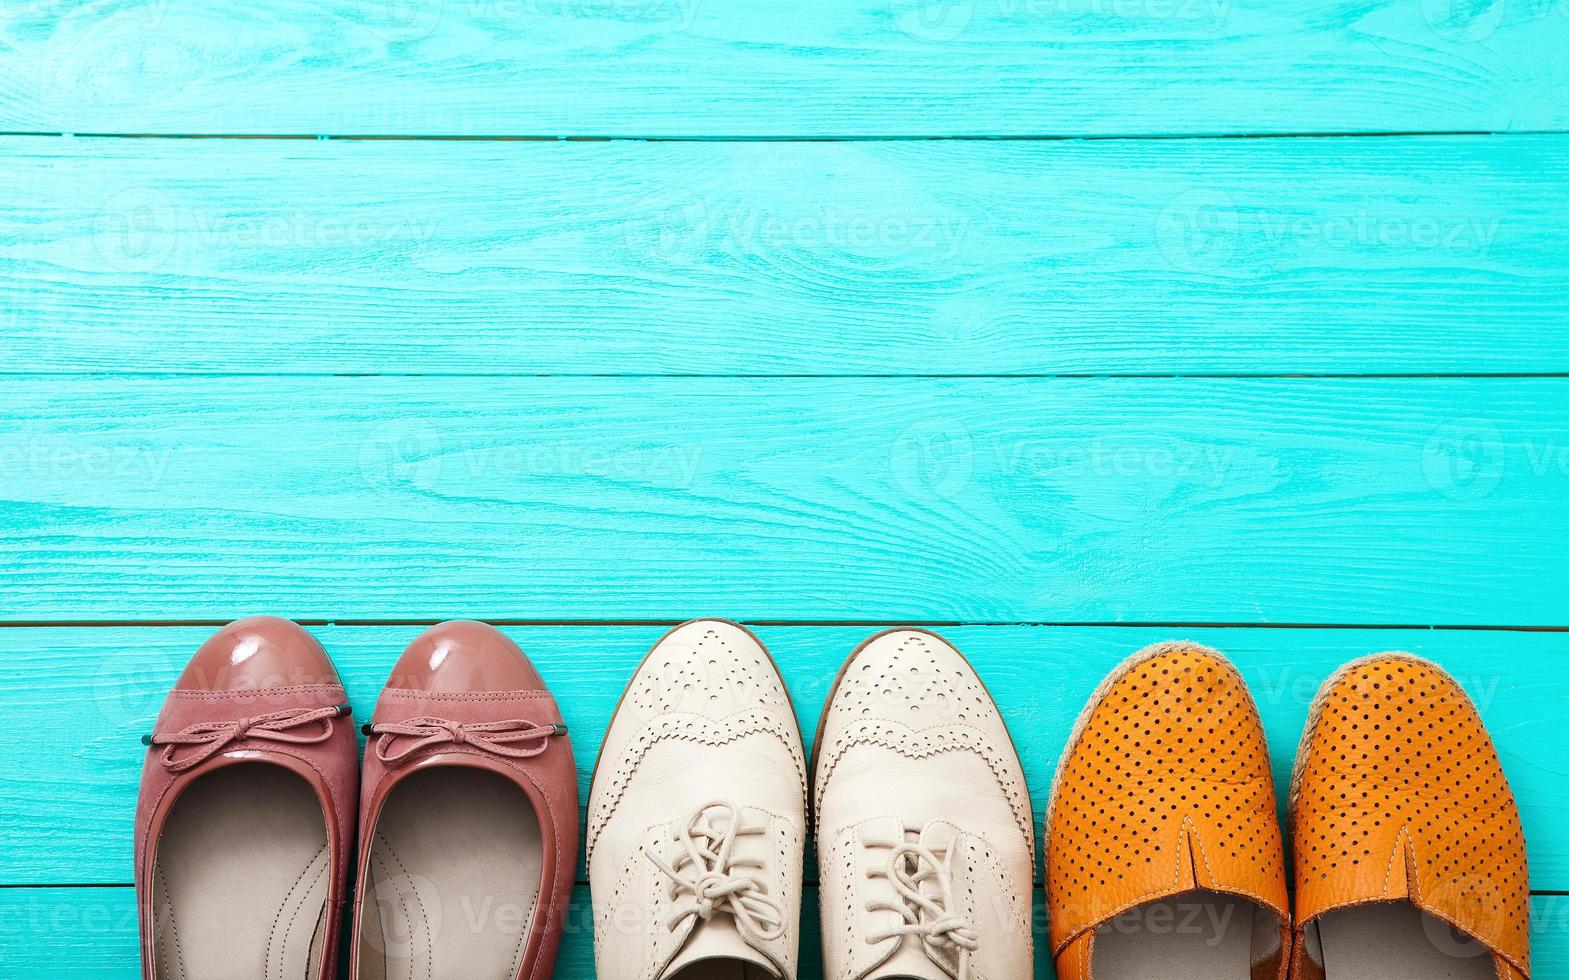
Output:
x,y
697,816
925,837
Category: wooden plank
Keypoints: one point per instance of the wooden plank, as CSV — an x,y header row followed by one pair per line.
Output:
x,y
1377,501
66,933
1409,256
86,695
742,68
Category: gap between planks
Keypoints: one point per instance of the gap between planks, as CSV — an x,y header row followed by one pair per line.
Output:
x,y
748,376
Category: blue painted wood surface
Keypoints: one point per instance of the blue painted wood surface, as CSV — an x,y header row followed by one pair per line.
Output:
x,y
1342,256
324,378
783,68
1432,501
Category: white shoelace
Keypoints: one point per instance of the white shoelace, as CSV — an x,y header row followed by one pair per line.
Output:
x,y
713,879
947,937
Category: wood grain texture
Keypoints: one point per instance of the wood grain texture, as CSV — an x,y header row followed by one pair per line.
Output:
x,y
86,695
67,933
1344,256
778,68
1375,501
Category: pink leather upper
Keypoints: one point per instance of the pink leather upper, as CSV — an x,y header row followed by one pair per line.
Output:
x,y
250,695
463,694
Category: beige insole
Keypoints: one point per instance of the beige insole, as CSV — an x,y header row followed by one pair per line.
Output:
x,y
240,878
454,877
1197,936
1398,941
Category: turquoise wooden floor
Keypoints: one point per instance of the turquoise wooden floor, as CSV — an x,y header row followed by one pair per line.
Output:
x,y
589,316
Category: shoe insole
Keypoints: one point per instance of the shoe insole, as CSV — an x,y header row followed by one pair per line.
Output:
x,y
1398,941
1200,935
454,877
240,878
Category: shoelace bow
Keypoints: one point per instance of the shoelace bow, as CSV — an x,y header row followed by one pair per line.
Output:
x,y
716,880
497,737
947,937
214,736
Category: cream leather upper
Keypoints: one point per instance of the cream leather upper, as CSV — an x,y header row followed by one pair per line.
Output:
x,y
705,735
925,834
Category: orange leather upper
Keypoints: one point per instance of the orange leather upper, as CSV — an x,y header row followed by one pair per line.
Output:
x,y
1399,795
1165,788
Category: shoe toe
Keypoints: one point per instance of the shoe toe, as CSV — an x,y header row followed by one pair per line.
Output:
x,y
257,653
461,656
1165,786
916,679
1399,792
708,667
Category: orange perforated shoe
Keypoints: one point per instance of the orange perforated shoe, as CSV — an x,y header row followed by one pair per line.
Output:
x,y
1164,858
1410,860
